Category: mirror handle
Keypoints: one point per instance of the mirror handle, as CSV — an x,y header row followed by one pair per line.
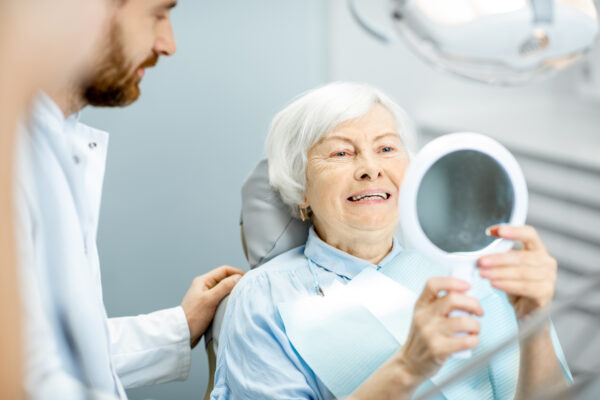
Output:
x,y
464,272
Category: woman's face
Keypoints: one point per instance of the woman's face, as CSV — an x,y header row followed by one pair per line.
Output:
x,y
353,176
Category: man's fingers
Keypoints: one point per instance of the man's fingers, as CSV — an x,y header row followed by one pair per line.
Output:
x,y
212,278
436,285
223,288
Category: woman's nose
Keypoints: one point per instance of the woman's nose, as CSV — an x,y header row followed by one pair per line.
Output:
x,y
368,169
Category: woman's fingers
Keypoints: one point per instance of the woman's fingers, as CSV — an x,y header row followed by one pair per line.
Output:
x,y
432,336
436,285
541,290
461,323
510,258
444,346
525,234
529,274
516,257
458,301
458,343
524,273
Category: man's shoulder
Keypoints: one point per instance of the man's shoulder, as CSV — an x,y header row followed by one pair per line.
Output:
x,y
93,133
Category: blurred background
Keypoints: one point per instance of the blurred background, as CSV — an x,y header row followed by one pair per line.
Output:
x,y
178,156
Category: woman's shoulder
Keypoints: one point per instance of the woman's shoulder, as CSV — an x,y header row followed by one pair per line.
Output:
x,y
282,264
281,278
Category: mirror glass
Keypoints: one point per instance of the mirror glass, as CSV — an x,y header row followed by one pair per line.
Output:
x,y
461,195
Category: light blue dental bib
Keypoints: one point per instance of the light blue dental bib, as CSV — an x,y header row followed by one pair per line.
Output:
x,y
344,342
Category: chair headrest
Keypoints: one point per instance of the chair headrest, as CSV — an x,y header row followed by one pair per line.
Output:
x,y
268,228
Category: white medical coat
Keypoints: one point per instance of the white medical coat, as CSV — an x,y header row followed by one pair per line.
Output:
x,y
73,351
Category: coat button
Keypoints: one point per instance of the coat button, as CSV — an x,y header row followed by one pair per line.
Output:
x,y
76,159
92,145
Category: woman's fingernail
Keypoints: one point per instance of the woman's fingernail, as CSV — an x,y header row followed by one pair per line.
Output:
x,y
492,230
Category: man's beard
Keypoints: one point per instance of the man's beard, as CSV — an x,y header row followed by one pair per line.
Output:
x,y
115,83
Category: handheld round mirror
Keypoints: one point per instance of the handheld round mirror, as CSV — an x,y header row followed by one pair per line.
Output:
x,y
456,187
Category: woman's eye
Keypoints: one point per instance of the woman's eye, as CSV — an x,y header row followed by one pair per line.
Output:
x,y
340,154
386,149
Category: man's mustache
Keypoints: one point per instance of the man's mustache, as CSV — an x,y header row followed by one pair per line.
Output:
x,y
150,61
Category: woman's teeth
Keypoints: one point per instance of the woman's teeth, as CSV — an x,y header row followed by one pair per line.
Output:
x,y
370,196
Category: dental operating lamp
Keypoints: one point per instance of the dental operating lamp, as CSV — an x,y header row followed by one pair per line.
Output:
x,y
503,42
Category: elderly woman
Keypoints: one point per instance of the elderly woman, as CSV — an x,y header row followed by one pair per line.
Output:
x,y
337,155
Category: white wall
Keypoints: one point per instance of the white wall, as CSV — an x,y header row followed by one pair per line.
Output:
x,y
178,157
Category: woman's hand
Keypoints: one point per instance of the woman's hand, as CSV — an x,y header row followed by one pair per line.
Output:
x,y
432,338
528,276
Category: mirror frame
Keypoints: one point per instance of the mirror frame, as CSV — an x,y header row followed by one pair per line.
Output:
x,y
413,234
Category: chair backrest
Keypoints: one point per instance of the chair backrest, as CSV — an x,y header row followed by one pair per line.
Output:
x,y
267,230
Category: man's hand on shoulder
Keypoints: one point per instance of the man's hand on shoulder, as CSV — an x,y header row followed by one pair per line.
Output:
x,y
203,297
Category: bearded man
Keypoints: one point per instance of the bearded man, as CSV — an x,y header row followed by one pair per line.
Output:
x,y
73,351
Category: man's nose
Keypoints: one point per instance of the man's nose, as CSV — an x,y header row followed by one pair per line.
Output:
x,y
165,41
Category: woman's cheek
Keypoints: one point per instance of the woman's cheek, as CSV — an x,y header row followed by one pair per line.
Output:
x,y
398,169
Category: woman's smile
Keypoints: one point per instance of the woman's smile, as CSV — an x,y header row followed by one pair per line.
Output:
x,y
370,196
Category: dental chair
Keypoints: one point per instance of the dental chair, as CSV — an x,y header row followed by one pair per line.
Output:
x,y
267,230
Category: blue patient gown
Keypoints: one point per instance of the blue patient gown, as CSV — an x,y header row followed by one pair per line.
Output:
x,y
257,361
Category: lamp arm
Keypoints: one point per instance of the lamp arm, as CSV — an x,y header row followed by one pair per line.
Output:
x,y
367,25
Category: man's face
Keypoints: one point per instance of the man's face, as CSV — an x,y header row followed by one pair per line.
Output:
x,y
141,33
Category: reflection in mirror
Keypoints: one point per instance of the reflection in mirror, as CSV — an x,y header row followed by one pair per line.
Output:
x,y
461,195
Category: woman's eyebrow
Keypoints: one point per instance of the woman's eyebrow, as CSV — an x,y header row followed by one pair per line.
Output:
x,y
383,135
335,137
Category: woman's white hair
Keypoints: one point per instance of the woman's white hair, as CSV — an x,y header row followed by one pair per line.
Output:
x,y
299,126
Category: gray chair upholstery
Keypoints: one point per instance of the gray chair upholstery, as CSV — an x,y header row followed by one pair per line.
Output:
x,y
268,227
